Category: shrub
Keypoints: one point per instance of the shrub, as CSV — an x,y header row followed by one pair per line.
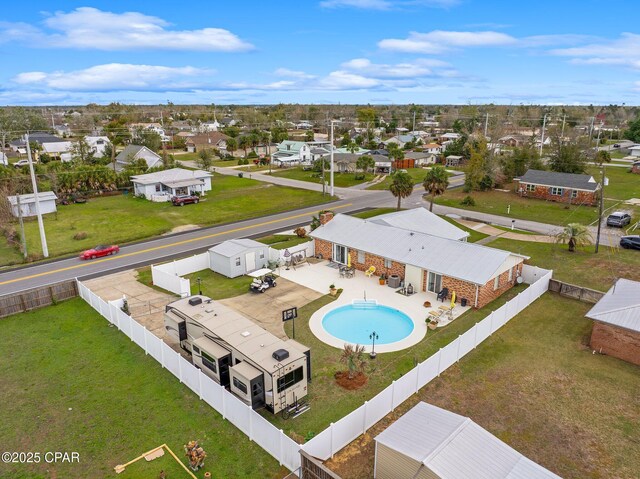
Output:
x,y
252,154
468,201
301,232
80,235
240,175
240,162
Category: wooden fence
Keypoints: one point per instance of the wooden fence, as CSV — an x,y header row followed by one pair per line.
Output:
x,y
37,298
311,468
576,292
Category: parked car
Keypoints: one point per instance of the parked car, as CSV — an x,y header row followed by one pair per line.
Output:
x,y
21,163
616,145
618,219
100,250
630,242
182,200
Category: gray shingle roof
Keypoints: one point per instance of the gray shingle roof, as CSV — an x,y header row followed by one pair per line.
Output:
x,y
620,306
235,246
562,180
466,261
454,447
129,152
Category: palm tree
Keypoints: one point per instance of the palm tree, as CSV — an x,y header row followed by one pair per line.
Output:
x,y
352,147
401,186
243,143
436,182
353,357
575,235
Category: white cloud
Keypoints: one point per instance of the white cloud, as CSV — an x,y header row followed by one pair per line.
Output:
x,y
341,80
386,4
624,51
90,28
421,67
118,76
439,41
285,72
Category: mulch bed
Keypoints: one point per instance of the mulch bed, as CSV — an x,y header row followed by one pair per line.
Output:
x,y
342,379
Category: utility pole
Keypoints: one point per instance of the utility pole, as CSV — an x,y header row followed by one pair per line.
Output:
x,y
486,124
268,150
414,120
331,173
600,209
22,236
43,237
544,125
564,118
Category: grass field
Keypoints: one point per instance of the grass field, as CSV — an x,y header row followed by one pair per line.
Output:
x,y
495,202
329,402
417,174
536,385
77,384
341,180
584,267
622,184
122,219
283,241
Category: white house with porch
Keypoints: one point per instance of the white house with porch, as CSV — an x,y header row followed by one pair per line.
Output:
x,y
162,185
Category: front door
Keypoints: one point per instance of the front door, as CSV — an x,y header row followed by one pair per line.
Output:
x,y
340,254
250,261
434,282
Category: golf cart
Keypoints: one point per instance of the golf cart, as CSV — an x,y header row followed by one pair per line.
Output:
x,y
263,279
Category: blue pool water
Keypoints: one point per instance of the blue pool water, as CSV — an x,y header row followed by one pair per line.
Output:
x,y
354,323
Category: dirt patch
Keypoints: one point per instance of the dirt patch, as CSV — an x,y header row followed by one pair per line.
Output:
x,y
342,380
181,229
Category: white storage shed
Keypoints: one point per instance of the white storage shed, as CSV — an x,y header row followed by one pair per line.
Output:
x,y
236,257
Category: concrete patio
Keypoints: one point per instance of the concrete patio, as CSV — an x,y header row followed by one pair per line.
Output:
x,y
320,276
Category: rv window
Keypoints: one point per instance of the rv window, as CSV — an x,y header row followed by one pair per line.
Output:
x,y
290,379
196,349
209,362
239,385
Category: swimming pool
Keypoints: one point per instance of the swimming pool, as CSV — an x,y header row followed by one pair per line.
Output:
x,y
353,323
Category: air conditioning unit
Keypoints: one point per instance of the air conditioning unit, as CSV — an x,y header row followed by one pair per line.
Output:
x,y
280,354
195,301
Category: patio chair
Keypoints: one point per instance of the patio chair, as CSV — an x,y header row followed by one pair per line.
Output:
x,y
442,295
368,273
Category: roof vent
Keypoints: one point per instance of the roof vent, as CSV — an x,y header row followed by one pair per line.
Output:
x,y
280,354
245,334
195,301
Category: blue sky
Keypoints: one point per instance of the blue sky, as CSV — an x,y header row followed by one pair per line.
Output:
x,y
320,51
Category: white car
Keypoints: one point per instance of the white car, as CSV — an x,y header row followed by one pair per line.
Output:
x,y
21,163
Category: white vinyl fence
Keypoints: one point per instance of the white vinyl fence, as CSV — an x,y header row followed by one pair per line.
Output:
x,y
258,429
341,433
169,275
278,254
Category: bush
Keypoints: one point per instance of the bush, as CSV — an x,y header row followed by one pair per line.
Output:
x,y
240,175
240,162
301,232
80,236
252,154
468,201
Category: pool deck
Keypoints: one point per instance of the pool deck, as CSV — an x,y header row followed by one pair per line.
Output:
x,y
320,276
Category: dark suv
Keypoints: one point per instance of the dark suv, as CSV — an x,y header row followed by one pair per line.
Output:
x,y
632,241
618,219
182,200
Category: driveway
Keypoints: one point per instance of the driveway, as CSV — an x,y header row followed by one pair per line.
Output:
x,y
265,309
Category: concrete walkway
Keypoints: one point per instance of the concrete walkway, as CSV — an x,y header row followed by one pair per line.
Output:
x,y
495,233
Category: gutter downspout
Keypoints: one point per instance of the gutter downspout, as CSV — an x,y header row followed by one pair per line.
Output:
x,y
476,302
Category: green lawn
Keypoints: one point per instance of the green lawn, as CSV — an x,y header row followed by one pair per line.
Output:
x,y
623,185
417,174
217,286
78,384
121,219
283,241
329,402
536,385
374,212
341,180
143,470
496,202
584,267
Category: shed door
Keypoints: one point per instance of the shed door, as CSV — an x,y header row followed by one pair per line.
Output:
x,y
250,261
413,277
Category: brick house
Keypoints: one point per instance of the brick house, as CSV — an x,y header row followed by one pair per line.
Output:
x,y
208,140
577,189
616,322
635,168
431,256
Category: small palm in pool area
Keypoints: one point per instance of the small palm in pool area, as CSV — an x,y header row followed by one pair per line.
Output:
x,y
353,357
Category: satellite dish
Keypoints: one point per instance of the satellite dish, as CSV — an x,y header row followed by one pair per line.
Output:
x,y
519,280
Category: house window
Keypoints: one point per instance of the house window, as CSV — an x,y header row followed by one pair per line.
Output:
x,y
361,257
261,254
290,379
574,194
237,261
158,188
510,275
496,283
209,362
531,188
555,191
239,385
387,263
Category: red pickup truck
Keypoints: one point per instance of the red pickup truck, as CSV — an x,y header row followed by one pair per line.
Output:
x,y
182,200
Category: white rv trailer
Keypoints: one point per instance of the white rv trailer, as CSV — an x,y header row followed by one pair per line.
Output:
x,y
258,367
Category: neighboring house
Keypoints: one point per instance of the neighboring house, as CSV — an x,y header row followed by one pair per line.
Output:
x,y
304,125
432,148
401,140
634,150
58,150
478,274
513,140
213,139
47,200
209,126
236,257
228,121
97,144
429,442
454,160
153,127
421,220
135,152
616,322
635,168
359,151
346,162
162,185
421,158
449,137
567,187
300,152
63,130
19,146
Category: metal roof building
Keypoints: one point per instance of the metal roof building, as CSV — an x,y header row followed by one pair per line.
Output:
x,y
421,220
429,442
236,257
